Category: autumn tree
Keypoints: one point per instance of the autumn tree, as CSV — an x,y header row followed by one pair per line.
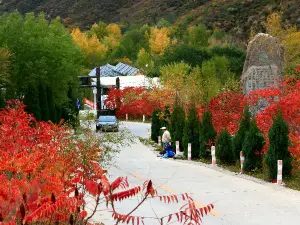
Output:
x,y
289,36
93,50
114,35
159,40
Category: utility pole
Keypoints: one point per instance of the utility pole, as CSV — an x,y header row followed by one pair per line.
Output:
x,y
98,86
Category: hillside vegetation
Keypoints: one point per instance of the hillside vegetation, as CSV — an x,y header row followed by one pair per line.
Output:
x,y
237,17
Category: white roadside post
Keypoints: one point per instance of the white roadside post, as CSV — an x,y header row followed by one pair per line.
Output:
x,y
242,159
279,172
189,151
126,117
177,147
159,140
95,98
213,156
144,119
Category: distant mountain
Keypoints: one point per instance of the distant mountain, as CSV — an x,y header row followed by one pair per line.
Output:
x,y
234,16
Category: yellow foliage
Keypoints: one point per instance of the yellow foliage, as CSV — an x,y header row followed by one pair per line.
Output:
x,y
290,39
114,30
159,40
93,50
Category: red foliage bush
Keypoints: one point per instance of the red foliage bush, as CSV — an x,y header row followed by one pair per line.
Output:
x,y
46,174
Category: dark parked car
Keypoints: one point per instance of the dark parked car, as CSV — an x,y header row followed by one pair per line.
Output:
x,y
107,123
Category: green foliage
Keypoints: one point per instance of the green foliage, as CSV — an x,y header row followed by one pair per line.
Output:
x,y
5,65
165,119
43,102
163,23
31,100
278,148
187,54
51,105
42,50
235,56
244,126
207,134
131,43
177,124
191,132
197,37
2,99
155,125
224,152
252,148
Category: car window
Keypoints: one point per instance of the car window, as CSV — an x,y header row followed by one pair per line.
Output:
x,y
107,119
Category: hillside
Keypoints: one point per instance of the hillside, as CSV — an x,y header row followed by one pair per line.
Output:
x,y
237,17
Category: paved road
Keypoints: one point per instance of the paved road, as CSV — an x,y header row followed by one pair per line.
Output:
x,y
237,200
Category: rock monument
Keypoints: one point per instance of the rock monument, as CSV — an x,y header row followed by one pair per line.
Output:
x,y
264,63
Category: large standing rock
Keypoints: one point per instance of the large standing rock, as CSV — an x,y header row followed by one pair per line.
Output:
x,y
264,63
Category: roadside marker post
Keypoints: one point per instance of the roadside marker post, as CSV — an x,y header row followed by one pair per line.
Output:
x,y
149,133
189,151
279,172
177,147
213,156
159,140
126,117
242,159
144,119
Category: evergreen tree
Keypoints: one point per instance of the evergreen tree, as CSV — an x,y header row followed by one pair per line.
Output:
x,y
243,128
155,125
207,134
31,100
252,148
58,114
177,124
2,100
51,105
191,132
278,148
224,152
43,102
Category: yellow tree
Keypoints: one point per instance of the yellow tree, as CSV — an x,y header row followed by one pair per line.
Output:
x,y
93,51
290,39
159,40
112,40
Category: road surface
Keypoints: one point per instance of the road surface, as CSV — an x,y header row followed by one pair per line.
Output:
x,y
238,201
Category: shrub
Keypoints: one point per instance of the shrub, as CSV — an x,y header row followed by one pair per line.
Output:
x,y
155,125
278,148
224,150
191,132
252,148
243,128
177,124
207,134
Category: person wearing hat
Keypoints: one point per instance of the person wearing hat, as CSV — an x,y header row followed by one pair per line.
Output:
x,y
166,138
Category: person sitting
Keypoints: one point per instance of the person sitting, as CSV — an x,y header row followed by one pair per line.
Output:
x,y
168,151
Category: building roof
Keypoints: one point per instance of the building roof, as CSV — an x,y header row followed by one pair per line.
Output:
x,y
120,69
